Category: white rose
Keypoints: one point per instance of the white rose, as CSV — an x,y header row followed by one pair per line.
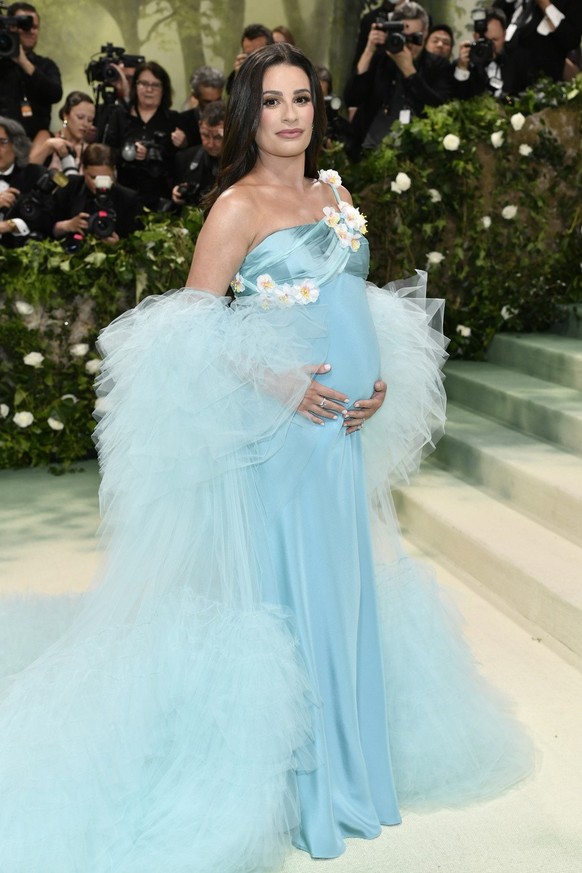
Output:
x,y
435,258
403,181
55,424
394,187
451,142
79,349
4,410
434,195
507,312
463,330
23,419
486,222
497,139
33,359
23,308
93,366
517,121
525,150
509,212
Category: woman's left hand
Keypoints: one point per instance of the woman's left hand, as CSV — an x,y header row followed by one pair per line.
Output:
x,y
362,410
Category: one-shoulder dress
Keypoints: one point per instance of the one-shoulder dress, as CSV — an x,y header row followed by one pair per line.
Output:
x,y
259,665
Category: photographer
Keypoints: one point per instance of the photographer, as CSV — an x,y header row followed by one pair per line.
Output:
x,y
111,75
488,64
29,83
93,202
63,150
394,78
145,136
19,179
207,85
338,127
197,167
254,37
547,30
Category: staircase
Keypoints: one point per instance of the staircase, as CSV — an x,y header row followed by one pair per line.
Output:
x,y
500,502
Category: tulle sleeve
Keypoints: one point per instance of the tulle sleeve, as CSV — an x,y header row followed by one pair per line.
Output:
x,y
412,349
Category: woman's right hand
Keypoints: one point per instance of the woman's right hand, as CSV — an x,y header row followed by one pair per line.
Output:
x,y
321,402
58,145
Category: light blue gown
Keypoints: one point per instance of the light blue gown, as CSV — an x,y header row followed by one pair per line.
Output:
x,y
258,664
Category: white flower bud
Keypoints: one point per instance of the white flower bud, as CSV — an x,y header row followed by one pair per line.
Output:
x,y
509,212
497,139
451,142
434,258
93,366
403,181
525,150
486,222
55,424
4,410
79,350
434,195
33,359
23,419
463,330
517,121
23,308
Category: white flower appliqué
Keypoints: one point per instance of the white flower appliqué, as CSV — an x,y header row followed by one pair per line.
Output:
x,y
285,295
238,284
347,221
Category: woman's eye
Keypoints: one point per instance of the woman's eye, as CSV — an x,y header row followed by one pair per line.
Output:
x,y
303,99
269,101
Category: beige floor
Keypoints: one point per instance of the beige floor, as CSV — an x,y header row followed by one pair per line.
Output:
x,y
47,528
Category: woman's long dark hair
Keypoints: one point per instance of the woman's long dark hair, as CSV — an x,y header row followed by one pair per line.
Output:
x,y
240,151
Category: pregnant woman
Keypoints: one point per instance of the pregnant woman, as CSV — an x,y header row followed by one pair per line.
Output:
x,y
259,664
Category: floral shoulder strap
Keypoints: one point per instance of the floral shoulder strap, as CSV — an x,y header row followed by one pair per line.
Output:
x,y
347,221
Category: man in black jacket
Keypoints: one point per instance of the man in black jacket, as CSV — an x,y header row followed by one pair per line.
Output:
x,y
197,167
29,83
93,203
25,209
389,86
547,30
507,71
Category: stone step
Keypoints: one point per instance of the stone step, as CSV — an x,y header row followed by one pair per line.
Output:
x,y
540,479
534,570
545,356
535,406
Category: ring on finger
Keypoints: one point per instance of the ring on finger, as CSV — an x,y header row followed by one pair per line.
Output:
x,y
322,404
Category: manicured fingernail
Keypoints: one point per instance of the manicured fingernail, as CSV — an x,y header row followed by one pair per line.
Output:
x,y
346,400
327,366
345,412
334,417
356,405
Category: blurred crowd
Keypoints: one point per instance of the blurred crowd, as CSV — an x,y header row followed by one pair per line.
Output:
x,y
121,148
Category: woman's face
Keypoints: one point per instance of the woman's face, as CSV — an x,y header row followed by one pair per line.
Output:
x,y
286,122
149,90
80,121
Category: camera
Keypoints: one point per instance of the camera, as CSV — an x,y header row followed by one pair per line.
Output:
x,y
338,127
481,51
101,223
397,39
34,206
101,69
9,39
154,158
190,192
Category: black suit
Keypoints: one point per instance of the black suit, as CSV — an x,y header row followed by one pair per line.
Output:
x,y
382,92
38,216
76,197
515,70
21,94
548,53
